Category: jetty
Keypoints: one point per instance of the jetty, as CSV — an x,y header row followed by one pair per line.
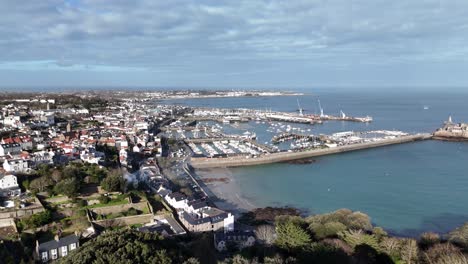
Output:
x,y
452,131
204,162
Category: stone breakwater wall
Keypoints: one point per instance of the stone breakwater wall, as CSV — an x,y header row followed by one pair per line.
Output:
x,y
199,163
447,135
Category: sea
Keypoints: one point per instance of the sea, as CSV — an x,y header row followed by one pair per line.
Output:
x,y
407,189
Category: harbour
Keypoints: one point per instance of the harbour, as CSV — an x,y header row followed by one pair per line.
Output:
x,y
407,188
287,156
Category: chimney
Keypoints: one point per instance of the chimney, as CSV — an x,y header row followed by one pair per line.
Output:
x,y
57,237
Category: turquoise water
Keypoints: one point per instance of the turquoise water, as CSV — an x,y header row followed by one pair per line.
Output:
x,y
407,189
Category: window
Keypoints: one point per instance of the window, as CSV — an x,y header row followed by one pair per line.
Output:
x,y
73,246
64,251
53,252
44,256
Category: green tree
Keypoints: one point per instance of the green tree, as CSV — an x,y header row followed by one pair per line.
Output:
x,y
37,220
40,184
329,229
358,237
114,182
69,187
126,246
291,236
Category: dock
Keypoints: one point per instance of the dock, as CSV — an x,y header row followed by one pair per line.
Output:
x,y
203,162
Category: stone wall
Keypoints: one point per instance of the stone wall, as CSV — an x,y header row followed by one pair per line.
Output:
x,y
35,208
113,209
127,220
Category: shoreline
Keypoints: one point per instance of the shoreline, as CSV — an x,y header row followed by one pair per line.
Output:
x,y
225,194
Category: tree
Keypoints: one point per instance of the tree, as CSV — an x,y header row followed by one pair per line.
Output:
x,y
391,246
358,237
409,251
69,187
126,246
114,182
266,234
72,172
56,175
37,220
291,236
40,184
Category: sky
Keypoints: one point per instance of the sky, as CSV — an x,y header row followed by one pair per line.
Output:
x,y
233,44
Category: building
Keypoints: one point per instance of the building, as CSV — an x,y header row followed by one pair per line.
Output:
x,y
9,186
12,149
57,248
176,200
16,165
207,219
240,239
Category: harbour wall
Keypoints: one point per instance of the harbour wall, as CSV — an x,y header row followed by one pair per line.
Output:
x,y
287,156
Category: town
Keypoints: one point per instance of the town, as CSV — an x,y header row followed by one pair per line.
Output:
x,y
75,166
73,170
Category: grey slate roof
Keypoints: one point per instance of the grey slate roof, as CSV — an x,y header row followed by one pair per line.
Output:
x,y
193,221
198,204
177,196
54,244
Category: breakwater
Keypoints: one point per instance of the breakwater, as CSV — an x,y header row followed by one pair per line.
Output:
x,y
287,156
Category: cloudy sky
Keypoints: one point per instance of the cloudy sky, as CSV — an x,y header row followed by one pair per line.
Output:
x,y
236,43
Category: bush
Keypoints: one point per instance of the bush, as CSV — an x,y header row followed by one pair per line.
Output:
x,y
352,220
36,220
428,239
103,199
459,236
440,252
81,203
132,211
330,229
379,232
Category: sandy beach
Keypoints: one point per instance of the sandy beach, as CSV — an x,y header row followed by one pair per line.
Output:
x,y
223,186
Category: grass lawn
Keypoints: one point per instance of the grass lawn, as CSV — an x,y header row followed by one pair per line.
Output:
x,y
120,199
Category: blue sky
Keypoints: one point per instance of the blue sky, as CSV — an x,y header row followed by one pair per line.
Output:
x,y
237,43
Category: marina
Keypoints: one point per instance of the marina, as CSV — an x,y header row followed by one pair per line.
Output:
x,y
287,156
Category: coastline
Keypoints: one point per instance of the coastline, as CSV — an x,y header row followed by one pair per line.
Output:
x,y
225,194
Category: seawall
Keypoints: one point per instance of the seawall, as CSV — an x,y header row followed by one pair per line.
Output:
x,y
287,156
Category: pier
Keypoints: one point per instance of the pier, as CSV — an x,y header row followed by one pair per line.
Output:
x,y
287,156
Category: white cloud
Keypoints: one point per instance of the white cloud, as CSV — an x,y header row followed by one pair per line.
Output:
x,y
150,34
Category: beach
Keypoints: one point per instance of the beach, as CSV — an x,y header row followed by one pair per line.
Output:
x,y
225,190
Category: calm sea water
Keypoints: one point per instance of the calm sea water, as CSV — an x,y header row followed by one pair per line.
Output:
x,y
407,189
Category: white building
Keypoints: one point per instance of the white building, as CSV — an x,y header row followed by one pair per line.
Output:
x,y
12,121
176,200
9,186
16,165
